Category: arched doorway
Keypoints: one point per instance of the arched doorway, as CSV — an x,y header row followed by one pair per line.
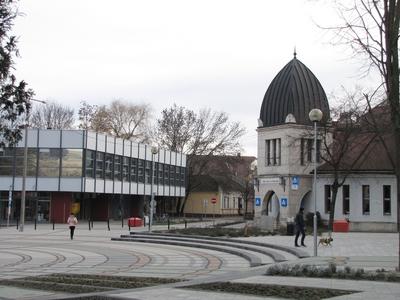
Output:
x,y
270,210
306,202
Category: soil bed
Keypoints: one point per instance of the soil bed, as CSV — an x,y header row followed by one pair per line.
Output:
x,y
79,283
220,231
269,290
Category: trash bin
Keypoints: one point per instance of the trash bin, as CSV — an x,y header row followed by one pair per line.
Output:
x,y
135,222
340,226
290,228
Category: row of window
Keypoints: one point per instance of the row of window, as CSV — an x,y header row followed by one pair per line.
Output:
x,y
42,162
273,151
115,167
235,203
55,162
386,199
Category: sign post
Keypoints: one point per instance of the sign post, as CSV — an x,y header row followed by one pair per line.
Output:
x,y
214,201
9,205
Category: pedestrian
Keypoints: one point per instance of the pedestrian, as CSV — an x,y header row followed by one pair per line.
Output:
x,y
300,227
72,221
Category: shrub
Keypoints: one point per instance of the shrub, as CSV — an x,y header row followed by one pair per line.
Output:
x,y
310,219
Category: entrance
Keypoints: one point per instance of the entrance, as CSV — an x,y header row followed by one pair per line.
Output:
x,y
270,211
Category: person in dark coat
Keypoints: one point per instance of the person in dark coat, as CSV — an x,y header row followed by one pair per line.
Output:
x,y
299,220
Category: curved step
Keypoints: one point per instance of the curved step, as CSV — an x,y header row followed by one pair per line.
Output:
x,y
294,251
275,256
253,260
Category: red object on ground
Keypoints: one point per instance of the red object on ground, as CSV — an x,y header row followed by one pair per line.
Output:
x,y
213,200
340,226
135,222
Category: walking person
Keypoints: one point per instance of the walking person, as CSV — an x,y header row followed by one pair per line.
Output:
x,y
300,228
72,221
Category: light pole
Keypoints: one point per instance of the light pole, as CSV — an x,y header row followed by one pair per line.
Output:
x,y
154,151
25,166
315,116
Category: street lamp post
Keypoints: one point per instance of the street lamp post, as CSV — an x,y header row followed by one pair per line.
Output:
x,y
154,151
24,168
315,116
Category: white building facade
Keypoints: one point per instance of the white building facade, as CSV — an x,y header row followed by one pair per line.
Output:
x,y
285,162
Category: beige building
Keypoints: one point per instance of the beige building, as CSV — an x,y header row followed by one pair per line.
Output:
x,y
285,144
223,186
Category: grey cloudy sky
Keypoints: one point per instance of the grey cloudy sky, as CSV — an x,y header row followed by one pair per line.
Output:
x,y
220,54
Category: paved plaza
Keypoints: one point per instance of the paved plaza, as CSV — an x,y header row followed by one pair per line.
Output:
x,y
45,251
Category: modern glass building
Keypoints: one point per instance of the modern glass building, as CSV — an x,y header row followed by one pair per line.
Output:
x,y
97,176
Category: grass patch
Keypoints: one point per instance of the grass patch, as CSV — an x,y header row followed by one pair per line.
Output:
x,y
222,232
270,290
332,271
79,283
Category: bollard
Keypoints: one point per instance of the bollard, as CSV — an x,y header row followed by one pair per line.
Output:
x,y
168,223
122,222
108,224
17,223
54,223
35,224
185,224
89,224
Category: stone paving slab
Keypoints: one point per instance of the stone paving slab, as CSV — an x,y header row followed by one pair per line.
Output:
x,y
102,256
7,292
184,294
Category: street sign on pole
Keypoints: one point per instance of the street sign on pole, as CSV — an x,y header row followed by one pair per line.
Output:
x,y
213,201
9,205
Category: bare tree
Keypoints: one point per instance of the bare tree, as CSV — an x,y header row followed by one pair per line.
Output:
x,y
14,96
121,119
129,121
86,115
370,28
52,116
99,121
346,143
204,134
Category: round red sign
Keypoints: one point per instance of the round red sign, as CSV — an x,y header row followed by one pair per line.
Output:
x,y
213,200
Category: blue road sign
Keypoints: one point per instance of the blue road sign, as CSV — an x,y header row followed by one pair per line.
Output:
x,y
295,182
258,201
284,202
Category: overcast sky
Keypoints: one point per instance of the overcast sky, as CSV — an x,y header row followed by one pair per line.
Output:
x,y
220,54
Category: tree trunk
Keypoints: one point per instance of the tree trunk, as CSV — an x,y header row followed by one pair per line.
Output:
x,y
335,188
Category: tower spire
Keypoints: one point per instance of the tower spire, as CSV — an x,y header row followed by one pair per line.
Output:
x,y
294,52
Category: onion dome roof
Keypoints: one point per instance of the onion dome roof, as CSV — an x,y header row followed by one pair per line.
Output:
x,y
291,95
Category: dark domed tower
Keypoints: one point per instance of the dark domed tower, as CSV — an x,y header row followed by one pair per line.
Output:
x,y
285,144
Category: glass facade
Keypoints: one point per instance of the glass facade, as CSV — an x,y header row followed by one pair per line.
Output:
x,y
31,163
71,163
109,165
99,165
125,168
55,162
89,163
141,170
49,162
148,172
134,162
6,161
118,167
